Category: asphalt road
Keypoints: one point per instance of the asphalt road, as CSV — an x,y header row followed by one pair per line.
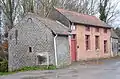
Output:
x,y
108,69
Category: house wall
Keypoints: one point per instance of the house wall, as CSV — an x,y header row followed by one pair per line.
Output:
x,y
82,53
80,32
32,34
63,54
114,45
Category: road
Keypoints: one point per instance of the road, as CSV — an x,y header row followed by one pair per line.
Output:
x,y
109,69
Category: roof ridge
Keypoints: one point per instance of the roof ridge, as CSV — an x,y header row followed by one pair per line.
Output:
x,y
74,12
82,18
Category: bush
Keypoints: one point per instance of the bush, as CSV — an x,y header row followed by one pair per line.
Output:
x,y
1,59
4,66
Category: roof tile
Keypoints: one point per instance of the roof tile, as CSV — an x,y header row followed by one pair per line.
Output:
x,y
82,18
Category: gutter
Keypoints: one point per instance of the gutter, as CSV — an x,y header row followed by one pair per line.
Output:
x,y
55,48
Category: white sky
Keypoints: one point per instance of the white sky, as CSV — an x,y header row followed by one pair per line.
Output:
x,y
117,22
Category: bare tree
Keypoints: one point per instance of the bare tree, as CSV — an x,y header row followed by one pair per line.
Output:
x,y
45,6
108,12
81,6
106,8
9,8
28,5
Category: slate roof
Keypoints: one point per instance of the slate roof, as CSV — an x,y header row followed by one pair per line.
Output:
x,y
54,26
113,34
82,18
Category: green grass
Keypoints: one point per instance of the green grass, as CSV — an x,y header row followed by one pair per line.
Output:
x,y
6,73
30,68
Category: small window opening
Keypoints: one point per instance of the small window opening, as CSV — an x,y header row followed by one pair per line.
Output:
x,y
16,35
30,49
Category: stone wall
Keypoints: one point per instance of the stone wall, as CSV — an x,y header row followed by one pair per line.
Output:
x,y
31,33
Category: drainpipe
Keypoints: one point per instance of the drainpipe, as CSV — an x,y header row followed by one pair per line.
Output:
x,y
117,48
111,46
55,48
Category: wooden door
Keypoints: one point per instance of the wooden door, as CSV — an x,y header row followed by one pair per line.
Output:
x,y
73,48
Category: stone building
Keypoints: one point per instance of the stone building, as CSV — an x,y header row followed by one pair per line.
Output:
x,y
37,41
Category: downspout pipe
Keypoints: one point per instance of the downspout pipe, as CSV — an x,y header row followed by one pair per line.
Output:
x,y
55,49
111,46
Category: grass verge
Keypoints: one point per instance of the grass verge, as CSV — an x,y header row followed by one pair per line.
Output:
x,y
29,68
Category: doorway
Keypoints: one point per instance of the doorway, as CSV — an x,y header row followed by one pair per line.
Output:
x,y
73,48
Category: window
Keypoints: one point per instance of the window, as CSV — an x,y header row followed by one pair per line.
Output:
x,y
87,41
87,28
73,36
30,49
97,29
41,59
96,42
105,46
105,30
16,35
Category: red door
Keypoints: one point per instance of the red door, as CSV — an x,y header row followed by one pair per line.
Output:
x,y
73,48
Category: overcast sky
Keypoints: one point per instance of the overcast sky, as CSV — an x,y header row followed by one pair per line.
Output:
x,y
117,22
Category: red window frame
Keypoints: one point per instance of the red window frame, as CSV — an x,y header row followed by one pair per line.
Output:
x,y
87,41
97,46
105,30
105,46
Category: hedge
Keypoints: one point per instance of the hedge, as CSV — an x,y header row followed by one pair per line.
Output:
x,y
4,66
